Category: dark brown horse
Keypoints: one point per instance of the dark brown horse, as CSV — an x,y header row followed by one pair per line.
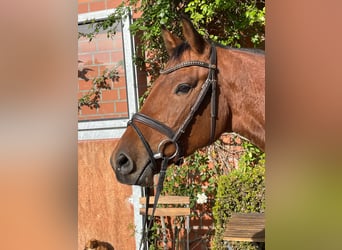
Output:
x,y
204,91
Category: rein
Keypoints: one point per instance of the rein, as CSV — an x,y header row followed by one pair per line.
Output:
x,y
173,137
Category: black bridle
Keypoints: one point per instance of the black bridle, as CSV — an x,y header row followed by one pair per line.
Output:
x,y
174,136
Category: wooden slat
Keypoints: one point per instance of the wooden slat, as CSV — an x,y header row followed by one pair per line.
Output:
x,y
167,200
246,227
169,211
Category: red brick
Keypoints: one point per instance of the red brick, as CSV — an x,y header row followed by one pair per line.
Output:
x,y
137,15
83,8
118,44
122,94
109,95
112,3
94,6
121,83
87,111
121,107
86,59
101,58
106,108
85,46
83,85
116,56
106,44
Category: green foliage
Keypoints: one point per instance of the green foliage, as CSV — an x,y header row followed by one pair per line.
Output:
x,y
154,237
194,177
234,23
151,53
252,156
230,22
242,190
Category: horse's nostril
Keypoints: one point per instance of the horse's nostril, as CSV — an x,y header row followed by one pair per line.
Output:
x,y
122,160
124,164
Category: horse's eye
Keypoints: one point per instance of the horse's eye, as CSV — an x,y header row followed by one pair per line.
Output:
x,y
183,88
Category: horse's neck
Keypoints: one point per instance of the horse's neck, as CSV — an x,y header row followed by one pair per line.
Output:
x,y
242,77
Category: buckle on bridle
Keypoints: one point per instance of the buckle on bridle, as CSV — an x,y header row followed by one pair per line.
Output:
x,y
161,147
212,66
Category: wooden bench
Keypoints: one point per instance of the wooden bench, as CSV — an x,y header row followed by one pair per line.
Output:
x,y
170,209
245,227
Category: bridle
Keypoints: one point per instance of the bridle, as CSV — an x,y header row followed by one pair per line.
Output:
x,y
174,136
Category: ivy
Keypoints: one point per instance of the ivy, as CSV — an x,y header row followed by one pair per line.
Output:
x,y
233,23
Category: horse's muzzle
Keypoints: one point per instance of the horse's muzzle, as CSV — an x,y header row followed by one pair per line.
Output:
x,y
127,173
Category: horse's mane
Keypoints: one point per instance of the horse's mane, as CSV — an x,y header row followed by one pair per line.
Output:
x,y
248,50
180,49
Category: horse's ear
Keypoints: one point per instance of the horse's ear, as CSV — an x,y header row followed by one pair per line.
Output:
x,y
195,40
171,41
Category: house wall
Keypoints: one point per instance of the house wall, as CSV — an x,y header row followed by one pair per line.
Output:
x,y
105,211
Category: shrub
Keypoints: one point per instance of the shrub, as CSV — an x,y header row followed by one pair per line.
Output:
x,y
241,190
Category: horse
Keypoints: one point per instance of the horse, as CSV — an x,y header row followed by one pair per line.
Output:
x,y
205,90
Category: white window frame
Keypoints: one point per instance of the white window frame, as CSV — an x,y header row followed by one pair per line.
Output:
x,y
113,128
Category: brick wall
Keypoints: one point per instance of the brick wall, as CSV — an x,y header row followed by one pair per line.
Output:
x,y
101,53
85,6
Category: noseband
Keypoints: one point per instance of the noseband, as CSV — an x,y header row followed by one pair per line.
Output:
x,y
174,136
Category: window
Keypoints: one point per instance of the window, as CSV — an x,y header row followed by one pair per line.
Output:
x,y
119,102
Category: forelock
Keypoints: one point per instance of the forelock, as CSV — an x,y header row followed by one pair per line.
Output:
x,y
178,51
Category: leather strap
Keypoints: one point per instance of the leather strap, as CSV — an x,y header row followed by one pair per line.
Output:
x,y
188,64
162,128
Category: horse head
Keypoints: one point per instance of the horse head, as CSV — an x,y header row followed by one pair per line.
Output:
x,y
180,113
